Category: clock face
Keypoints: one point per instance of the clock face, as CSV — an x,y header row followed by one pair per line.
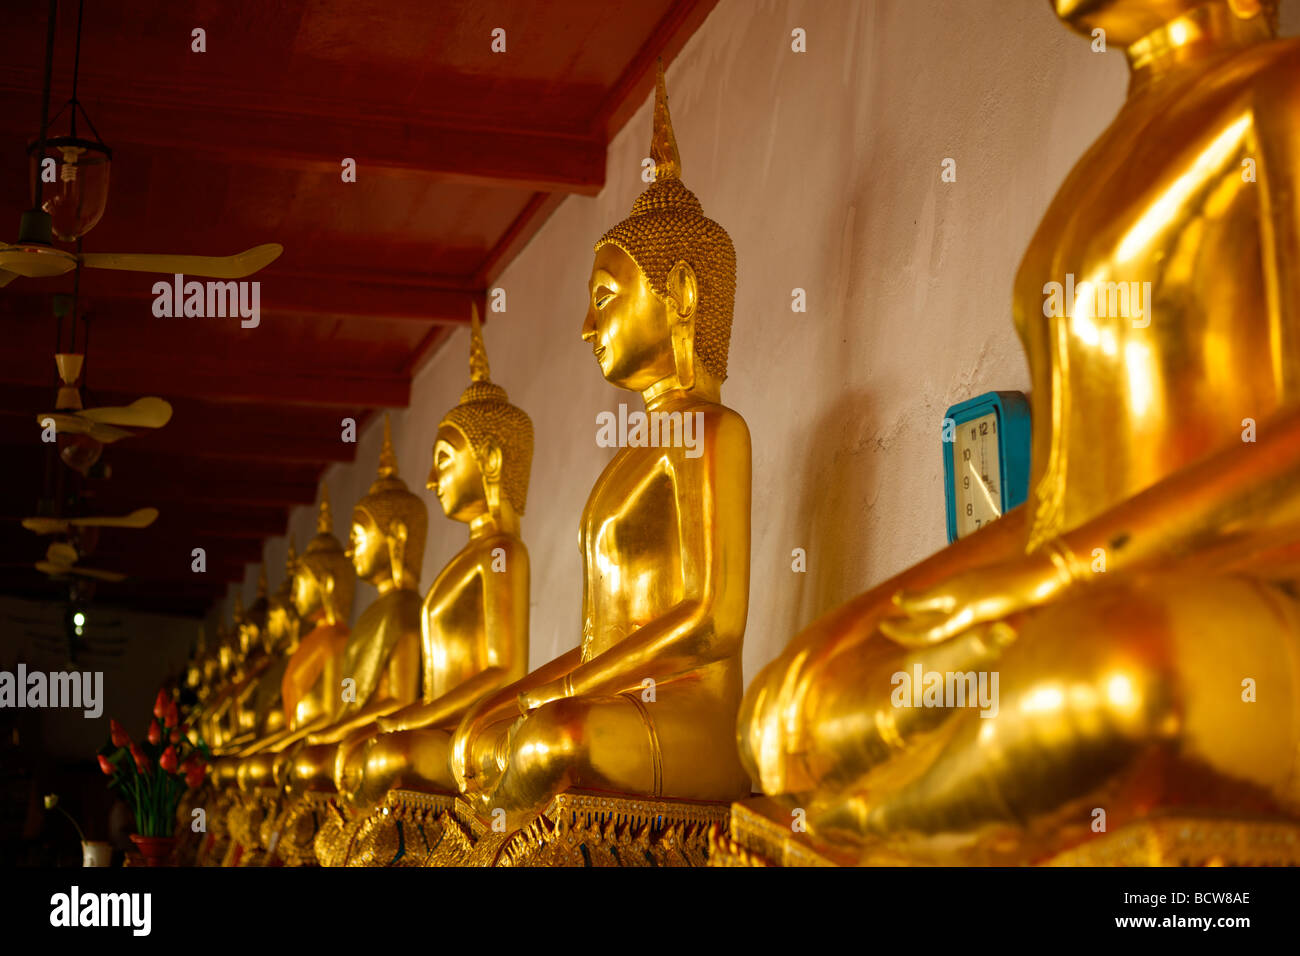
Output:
x,y
977,470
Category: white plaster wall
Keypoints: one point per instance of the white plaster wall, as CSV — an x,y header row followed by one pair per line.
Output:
x,y
825,168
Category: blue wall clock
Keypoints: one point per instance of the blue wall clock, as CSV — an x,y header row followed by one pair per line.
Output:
x,y
985,459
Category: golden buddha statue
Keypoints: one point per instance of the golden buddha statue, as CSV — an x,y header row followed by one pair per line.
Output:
x,y
229,675
280,640
474,621
1150,580
324,582
253,632
647,703
382,657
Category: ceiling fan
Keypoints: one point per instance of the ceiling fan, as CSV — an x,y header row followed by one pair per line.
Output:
x,y
60,561
140,518
78,202
100,424
33,257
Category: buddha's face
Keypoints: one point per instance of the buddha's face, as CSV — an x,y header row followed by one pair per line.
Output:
x,y
627,325
367,546
456,477
306,592
1125,21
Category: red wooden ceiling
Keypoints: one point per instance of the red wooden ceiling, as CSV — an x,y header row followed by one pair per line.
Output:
x,y
461,155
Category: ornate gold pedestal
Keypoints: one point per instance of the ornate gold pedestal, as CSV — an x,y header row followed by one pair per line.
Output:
x,y
591,829
761,835
577,829
1191,841
251,822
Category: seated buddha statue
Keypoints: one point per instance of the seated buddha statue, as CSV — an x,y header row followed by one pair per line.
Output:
x,y
474,621
322,590
253,631
280,640
230,673
647,703
1152,576
382,657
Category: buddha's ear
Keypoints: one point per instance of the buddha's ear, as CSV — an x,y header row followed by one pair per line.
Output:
x,y
397,549
684,288
491,462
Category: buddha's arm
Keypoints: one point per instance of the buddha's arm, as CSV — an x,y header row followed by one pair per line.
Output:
x,y
304,670
505,634
401,683
709,624
1223,512
320,722
1225,508
1277,128
774,704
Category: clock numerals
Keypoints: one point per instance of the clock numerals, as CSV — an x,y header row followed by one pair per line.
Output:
x,y
977,469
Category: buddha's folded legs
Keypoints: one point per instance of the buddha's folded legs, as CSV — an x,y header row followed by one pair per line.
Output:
x,y
1182,692
410,759
680,745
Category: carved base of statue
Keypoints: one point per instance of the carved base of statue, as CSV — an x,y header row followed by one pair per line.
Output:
x,y
214,850
292,837
594,829
762,834
418,829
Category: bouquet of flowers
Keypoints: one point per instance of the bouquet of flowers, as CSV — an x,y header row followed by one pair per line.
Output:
x,y
152,776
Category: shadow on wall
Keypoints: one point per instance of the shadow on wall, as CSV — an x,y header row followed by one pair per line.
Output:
x,y
835,481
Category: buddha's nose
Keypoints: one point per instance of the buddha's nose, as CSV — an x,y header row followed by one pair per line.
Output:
x,y
589,327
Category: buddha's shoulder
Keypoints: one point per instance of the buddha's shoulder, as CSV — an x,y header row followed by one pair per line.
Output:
x,y
726,423
1267,65
487,550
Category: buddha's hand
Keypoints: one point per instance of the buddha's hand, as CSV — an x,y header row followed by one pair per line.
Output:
x,y
980,596
463,739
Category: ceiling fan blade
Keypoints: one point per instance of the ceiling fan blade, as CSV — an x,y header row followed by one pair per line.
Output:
x,y
111,576
7,277
106,434
140,518
58,570
64,422
151,412
229,267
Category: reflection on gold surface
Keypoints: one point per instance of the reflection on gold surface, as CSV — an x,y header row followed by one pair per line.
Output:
x,y
646,703
1153,570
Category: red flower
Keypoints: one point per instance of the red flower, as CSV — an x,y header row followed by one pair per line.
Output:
x,y
194,776
117,734
141,761
173,716
105,766
160,705
175,736
155,733
168,760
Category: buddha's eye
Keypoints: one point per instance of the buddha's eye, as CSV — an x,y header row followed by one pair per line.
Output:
x,y
602,297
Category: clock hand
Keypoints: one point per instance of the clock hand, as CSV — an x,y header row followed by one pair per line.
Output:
x,y
996,507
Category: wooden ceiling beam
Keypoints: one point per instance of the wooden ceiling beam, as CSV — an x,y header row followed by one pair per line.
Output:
x,y
250,133
379,297
190,376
